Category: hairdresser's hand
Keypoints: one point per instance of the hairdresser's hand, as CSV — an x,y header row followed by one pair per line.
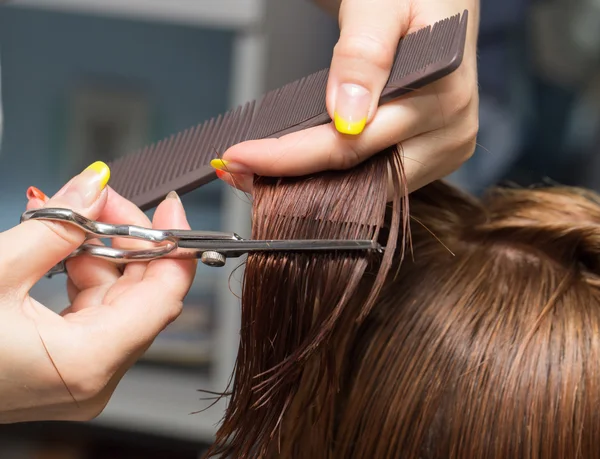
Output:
x,y
436,126
66,367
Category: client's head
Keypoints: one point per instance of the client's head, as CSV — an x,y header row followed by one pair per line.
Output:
x,y
482,342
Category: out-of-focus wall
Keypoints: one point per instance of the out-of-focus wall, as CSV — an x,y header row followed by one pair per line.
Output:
x,y
301,40
183,72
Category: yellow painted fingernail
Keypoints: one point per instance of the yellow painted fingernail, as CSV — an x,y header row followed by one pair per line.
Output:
x,y
219,164
230,166
349,127
103,172
351,109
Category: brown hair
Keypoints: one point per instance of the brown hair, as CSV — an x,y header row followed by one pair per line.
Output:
x,y
485,343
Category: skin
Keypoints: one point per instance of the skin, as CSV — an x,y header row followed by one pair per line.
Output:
x,y
66,366
435,126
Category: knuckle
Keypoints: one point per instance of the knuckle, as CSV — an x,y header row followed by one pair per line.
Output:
x,y
470,129
90,384
461,101
86,389
344,158
466,143
366,47
173,311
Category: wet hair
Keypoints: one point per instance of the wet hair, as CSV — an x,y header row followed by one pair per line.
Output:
x,y
475,335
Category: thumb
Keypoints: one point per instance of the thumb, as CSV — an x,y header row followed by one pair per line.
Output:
x,y
32,248
362,59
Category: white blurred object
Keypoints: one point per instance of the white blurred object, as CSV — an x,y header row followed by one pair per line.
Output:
x,y
584,27
236,14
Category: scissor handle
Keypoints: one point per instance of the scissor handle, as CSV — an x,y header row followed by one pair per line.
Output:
x,y
96,229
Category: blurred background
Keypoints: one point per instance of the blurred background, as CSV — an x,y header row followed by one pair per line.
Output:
x,y
86,80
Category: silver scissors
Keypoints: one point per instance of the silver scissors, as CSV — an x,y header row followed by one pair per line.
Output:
x,y
211,247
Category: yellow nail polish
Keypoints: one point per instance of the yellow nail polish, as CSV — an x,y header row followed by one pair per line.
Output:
x,y
349,127
102,170
219,164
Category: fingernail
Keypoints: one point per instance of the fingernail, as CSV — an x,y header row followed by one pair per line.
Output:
x,y
36,193
87,186
351,109
229,166
173,195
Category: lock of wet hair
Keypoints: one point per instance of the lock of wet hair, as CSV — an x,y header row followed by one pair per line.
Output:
x,y
476,334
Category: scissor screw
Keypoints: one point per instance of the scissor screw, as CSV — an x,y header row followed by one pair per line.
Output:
x,y
212,258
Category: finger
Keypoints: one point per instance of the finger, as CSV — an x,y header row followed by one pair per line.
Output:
x,y
321,147
87,272
34,203
432,156
37,194
121,211
72,290
174,275
157,298
84,272
241,182
32,248
362,59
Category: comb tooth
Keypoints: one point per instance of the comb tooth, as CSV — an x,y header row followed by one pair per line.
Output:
x,y
142,165
274,114
262,113
438,42
180,162
407,46
245,126
122,164
226,129
318,87
216,139
178,148
239,130
423,58
166,153
138,166
200,140
126,188
162,153
266,113
414,61
185,152
453,28
210,139
146,166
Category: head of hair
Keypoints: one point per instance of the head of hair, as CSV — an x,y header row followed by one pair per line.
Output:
x,y
475,335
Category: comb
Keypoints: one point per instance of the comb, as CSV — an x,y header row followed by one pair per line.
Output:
x,y
181,162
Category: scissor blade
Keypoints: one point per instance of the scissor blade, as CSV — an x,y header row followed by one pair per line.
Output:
x,y
233,248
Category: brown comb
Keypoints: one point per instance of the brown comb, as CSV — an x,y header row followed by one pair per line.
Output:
x,y
181,162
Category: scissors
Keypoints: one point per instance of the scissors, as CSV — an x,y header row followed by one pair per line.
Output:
x,y
211,247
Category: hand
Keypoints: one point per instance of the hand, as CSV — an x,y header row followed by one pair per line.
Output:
x,y
436,126
66,366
